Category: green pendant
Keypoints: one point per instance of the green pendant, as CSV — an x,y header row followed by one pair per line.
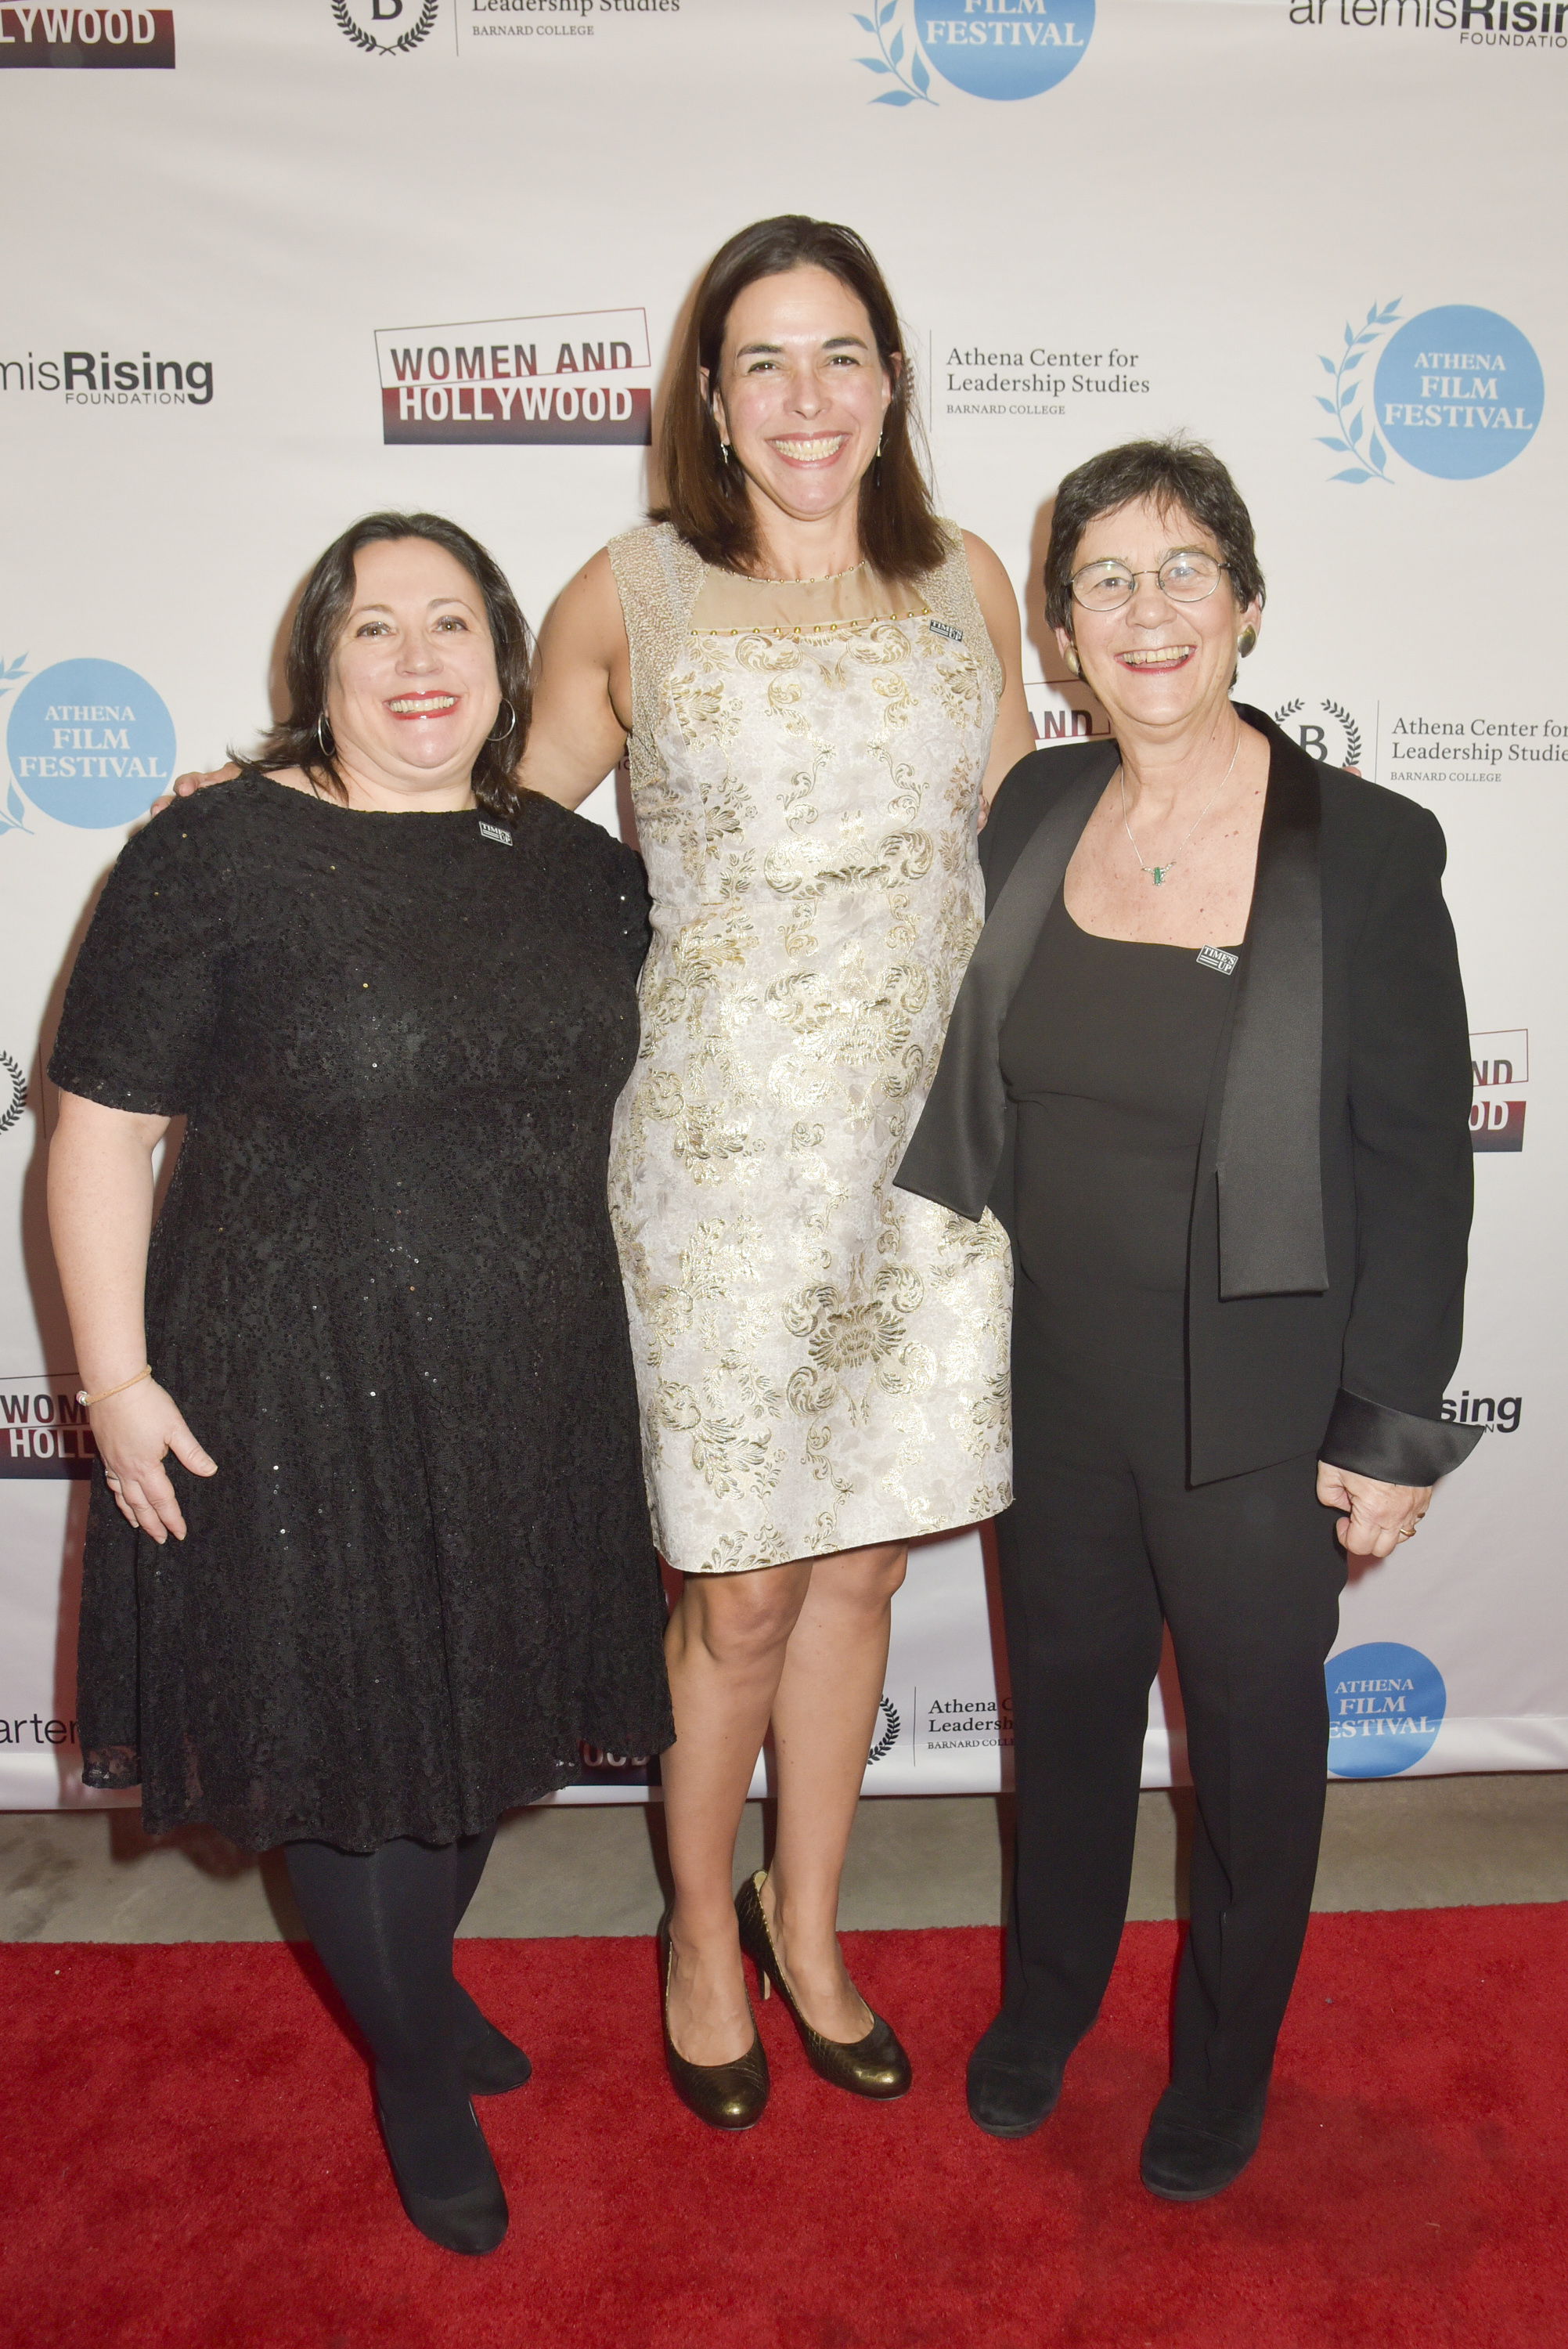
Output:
x,y
1157,874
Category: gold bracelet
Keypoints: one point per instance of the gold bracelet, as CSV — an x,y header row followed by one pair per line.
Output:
x,y
83,1396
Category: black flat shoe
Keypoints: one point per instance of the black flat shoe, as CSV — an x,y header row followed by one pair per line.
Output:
x,y
1193,2150
873,2067
492,2065
725,2095
1013,2082
473,2222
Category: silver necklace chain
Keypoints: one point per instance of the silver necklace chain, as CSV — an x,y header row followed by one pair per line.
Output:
x,y
1156,873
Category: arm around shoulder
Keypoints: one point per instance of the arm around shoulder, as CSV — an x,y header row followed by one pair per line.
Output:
x,y
582,698
1014,734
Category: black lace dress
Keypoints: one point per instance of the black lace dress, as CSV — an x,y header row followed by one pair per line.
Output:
x,y
383,1291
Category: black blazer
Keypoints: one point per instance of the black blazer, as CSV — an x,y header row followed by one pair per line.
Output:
x,y
1326,1253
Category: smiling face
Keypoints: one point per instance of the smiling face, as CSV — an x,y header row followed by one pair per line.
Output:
x,y
801,391
413,691
1156,663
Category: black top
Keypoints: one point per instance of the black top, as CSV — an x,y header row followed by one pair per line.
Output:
x,y
383,1291
1107,1052
1327,1259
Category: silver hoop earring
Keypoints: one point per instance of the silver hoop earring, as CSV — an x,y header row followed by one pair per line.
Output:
x,y
320,745
510,722
1246,642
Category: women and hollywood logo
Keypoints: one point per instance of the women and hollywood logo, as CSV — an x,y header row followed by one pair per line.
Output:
x,y
989,48
1456,391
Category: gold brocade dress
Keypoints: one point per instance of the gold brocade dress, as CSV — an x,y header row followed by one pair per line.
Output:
x,y
821,1359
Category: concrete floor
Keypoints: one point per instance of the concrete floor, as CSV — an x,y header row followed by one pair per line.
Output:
x,y
1403,1843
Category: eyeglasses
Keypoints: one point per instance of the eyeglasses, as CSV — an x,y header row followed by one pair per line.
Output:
x,y
1187,576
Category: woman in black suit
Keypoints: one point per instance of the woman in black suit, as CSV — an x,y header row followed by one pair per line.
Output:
x,y
1210,1066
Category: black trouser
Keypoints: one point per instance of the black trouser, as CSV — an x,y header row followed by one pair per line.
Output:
x,y
1104,1541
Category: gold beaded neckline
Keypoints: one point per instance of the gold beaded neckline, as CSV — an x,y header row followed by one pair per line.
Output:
x,y
818,627
815,579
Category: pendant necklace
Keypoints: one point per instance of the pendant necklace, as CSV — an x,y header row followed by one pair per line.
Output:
x,y
1156,873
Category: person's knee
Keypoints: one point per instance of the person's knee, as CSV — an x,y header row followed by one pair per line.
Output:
x,y
743,1619
865,1578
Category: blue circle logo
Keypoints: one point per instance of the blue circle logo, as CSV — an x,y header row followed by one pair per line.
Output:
x,y
1385,1706
90,744
1458,393
1004,48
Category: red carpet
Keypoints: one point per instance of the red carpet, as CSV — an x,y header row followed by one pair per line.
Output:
x,y
188,2163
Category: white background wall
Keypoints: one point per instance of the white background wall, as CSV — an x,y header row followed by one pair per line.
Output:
x,y
1197,207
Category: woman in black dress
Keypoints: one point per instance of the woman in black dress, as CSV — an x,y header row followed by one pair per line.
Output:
x,y
413,1575
1210,1065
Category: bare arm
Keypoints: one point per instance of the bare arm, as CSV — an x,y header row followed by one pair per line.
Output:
x,y
100,1217
583,698
1014,736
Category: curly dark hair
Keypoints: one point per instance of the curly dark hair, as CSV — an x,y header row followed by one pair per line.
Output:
x,y
705,497
1170,474
324,605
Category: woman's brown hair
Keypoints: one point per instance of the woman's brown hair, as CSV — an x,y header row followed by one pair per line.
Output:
x,y
298,741
1176,475
706,498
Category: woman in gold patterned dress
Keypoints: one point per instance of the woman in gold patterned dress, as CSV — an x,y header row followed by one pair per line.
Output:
x,y
821,686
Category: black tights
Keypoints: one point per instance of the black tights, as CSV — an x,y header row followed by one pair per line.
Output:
x,y
383,1922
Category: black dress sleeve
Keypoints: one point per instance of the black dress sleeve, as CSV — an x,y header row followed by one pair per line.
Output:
x,y
142,1003
634,928
1409,1113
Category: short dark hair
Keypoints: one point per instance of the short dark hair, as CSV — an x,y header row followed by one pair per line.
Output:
x,y
705,497
1172,474
324,605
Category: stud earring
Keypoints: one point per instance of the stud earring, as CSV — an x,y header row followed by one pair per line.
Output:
x,y
1246,642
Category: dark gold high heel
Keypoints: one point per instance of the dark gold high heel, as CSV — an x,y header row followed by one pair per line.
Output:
x,y
875,2066
725,2095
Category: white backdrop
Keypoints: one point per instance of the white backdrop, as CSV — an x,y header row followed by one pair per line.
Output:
x,y
1323,234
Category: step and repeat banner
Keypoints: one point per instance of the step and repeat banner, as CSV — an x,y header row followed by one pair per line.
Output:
x,y
272,263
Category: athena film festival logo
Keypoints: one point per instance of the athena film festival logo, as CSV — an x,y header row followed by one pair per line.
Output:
x,y
89,743
583,376
1385,1706
1456,392
988,48
386,28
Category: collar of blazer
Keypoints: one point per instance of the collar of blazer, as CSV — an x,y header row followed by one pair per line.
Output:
x,y
1266,1151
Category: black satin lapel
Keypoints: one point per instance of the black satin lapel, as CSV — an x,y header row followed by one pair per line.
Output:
x,y
958,1145
1270,1158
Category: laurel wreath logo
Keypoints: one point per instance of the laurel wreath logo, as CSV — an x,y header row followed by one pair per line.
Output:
x,y
1352,732
914,83
1353,438
425,23
18,1092
889,1736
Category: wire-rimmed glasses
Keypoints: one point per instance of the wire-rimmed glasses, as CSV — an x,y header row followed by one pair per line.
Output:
x,y
1188,575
